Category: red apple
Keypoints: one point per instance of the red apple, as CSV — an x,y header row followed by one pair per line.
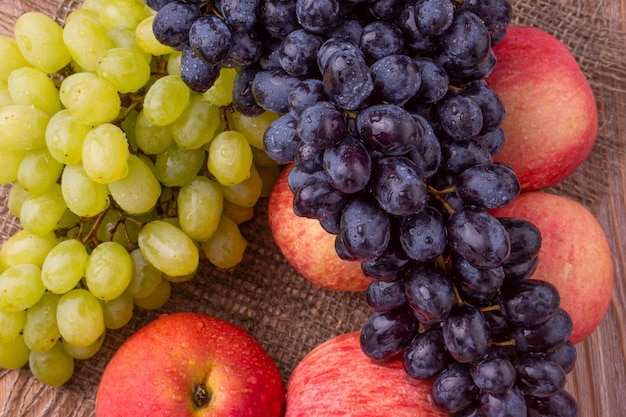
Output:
x,y
575,255
337,379
190,364
551,115
307,246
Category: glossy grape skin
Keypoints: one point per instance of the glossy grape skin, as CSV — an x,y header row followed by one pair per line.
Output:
x,y
453,389
271,88
246,49
415,41
385,9
561,404
538,376
430,293
490,104
396,78
319,16
380,39
389,265
387,128
347,79
544,337
365,228
525,240
495,13
427,154
478,237
316,197
243,99
467,41
489,186
494,372
348,165
298,52
434,17
241,15
459,116
281,139
305,94
426,355
423,235
386,295
332,45
528,302
210,38
510,403
481,280
460,155
173,21
434,80
349,29
397,187
492,141
321,125
565,355
466,333
385,334
279,17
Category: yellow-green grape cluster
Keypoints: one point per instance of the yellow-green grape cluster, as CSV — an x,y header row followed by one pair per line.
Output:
x,y
122,178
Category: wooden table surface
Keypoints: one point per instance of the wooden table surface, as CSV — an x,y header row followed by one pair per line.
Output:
x,y
599,378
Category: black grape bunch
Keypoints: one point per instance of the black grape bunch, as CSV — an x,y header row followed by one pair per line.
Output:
x,y
391,129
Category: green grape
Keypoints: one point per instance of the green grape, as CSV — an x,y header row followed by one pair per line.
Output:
x,y
105,153
230,158
152,139
10,161
196,126
65,136
125,68
83,196
176,167
79,317
54,367
179,278
144,36
118,311
145,277
253,127
32,86
168,248
119,227
25,247
91,99
40,213
86,39
17,196
40,326
11,324
20,287
109,269
64,266
247,192
157,298
84,352
5,95
166,100
22,127
173,63
124,37
139,191
14,354
40,40
221,92
269,175
10,56
124,13
226,247
261,159
200,207
94,5
239,214
38,171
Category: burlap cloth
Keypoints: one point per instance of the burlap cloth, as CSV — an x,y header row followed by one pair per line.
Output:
x,y
280,308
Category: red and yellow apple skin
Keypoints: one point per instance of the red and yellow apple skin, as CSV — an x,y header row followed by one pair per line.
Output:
x,y
337,379
575,255
551,119
307,246
157,371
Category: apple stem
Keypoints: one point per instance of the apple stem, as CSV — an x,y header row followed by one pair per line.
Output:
x,y
201,396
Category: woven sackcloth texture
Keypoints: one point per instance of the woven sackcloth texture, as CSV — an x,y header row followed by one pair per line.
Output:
x,y
277,306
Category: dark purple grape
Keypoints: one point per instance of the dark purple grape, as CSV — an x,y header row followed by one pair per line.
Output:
x,y
561,404
489,186
423,235
460,75
245,49
279,17
467,41
472,410
271,88
321,125
494,372
309,158
365,228
565,355
304,95
332,45
349,30
434,80
490,104
528,302
240,15
270,54
544,337
386,334
386,295
389,265
331,223
172,22
466,333
319,16
492,141
459,116
499,327
380,39
426,355
156,5
243,100
196,73
210,37
397,186
478,237
460,155
348,165
520,271
495,13
415,41
281,140
298,52
387,128
482,280
347,78
385,9
396,78
430,293
341,250
434,17
525,240
298,178
427,153
317,198
510,404
538,376
453,389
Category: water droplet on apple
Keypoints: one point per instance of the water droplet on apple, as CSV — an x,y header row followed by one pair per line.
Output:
x,y
184,345
155,407
252,380
177,397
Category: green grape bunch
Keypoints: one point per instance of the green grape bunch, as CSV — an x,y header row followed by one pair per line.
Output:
x,y
123,179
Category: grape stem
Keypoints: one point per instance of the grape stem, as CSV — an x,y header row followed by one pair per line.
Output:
x,y
438,194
